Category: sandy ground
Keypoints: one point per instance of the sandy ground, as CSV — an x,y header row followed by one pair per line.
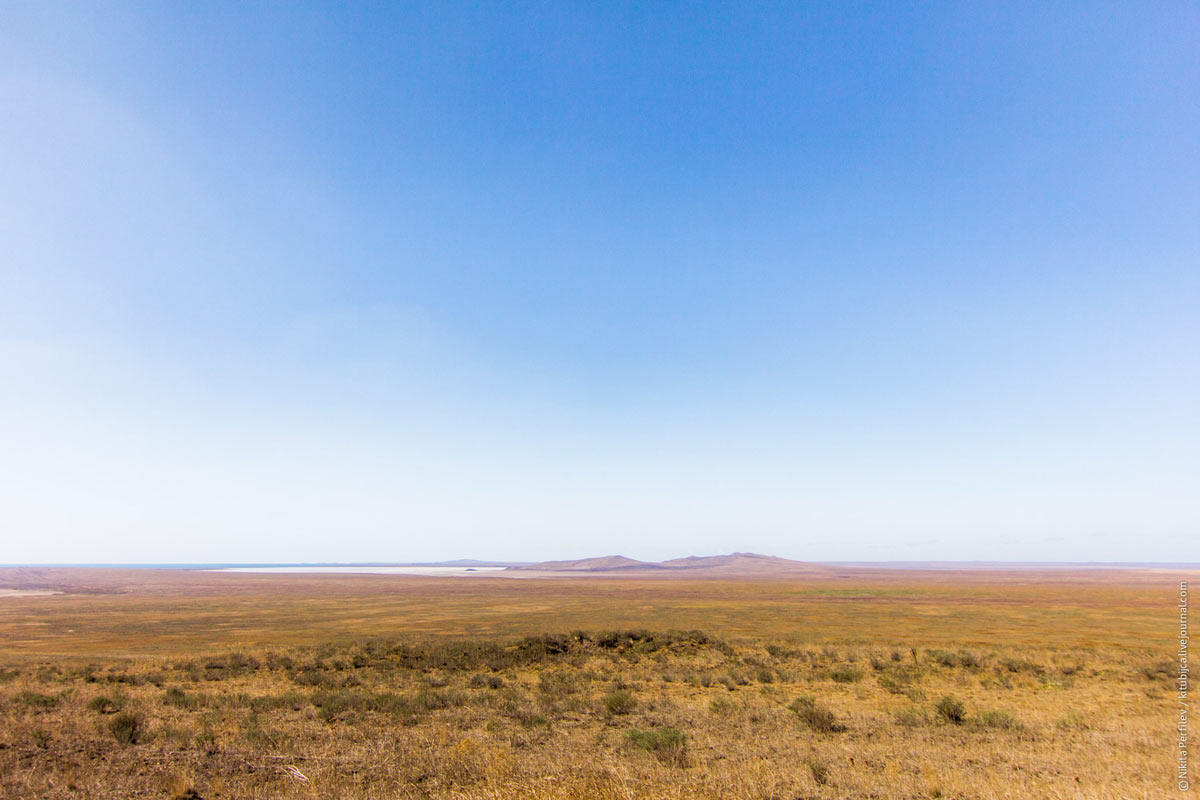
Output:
x,y
27,592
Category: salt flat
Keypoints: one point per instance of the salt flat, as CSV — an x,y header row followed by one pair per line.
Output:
x,y
367,570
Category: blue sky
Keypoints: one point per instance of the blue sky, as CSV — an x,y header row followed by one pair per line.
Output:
x,y
858,281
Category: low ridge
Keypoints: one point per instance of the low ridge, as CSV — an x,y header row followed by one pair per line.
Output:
x,y
732,559
729,563
600,564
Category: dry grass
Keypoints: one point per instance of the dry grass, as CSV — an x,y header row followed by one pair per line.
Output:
x,y
828,689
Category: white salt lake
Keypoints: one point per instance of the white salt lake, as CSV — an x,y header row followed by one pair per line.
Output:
x,y
367,570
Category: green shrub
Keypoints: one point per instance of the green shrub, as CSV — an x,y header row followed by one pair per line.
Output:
x,y
177,698
206,739
127,728
487,681
968,659
313,677
951,709
815,715
37,700
669,745
531,719
106,704
1160,670
819,770
944,658
435,701
620,703
1022,665
333,704
274,702
995,718
898,680
846,675
722,707
124,677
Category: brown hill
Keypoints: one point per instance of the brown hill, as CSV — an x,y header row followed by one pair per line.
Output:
x,y
730,564
740,561
600,564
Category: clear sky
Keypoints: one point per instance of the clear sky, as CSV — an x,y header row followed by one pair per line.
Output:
x,y
861,281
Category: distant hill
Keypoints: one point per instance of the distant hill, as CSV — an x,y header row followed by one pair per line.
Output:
x,y
600,564
733,560
732,563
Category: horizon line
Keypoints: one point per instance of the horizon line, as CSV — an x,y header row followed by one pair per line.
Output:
x,y
500,563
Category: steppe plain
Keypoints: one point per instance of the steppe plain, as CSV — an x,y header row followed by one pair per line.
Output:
x,y
815,682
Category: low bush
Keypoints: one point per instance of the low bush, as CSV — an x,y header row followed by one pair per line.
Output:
x,y
127,728
531,719
722,707
124,677
1159,670
970,660
177,698
106,704
898,680
314,677
996,718
951,709
846,675
620,703
274,702
37,701
334,704
814,715
819,770
487,682
1021,665
668,745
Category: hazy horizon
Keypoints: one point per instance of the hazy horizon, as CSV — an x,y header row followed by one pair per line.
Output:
x,y
484,562
832,283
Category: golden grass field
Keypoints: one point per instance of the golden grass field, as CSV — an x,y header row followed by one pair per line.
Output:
x,y
842,683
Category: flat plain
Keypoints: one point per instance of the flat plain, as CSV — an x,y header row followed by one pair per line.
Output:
x,y
829,683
